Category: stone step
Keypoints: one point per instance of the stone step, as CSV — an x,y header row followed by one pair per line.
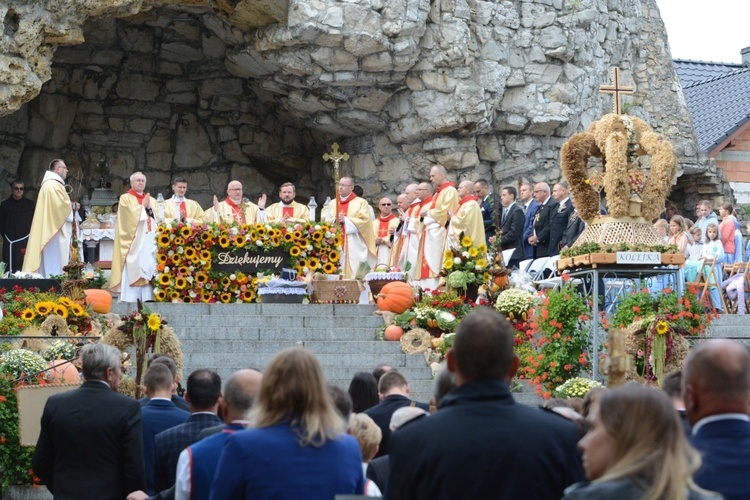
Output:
x,y
372,347
292,334
274,322
308,310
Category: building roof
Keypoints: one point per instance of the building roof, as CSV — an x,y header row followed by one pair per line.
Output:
x,y
719,105
691,72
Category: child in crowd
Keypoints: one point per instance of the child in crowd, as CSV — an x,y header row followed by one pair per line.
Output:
x,y
694,250
726,231
713,249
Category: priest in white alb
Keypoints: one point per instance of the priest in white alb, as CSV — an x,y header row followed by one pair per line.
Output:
x,y
468,218
287,210
134,255
397,240
180,208
434,216
409,232
235,208
48,249
384,226
358,238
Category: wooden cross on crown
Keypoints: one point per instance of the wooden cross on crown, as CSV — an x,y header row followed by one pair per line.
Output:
x,y
616,90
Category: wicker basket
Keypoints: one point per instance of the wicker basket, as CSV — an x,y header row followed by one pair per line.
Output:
x,y
336,292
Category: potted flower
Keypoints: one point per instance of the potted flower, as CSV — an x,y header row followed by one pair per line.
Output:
x,y
465,267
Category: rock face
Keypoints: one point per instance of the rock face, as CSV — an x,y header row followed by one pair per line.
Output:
x,y
257,90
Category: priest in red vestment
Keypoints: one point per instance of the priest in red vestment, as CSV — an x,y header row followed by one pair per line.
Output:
x,y
434,216
384,227
359,238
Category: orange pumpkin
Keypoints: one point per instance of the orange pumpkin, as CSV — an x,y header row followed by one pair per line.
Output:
x,y
62,373
394,333
395,297
99,300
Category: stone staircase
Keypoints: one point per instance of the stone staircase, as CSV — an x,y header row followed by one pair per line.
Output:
x,y
730,326
227,337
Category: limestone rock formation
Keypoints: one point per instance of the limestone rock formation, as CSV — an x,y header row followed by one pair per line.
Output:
x,y
257,89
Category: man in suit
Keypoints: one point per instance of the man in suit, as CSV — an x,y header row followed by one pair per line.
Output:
x,y
394,394
511,226
158,414
529,205
197,463
560,218
488,205
169,362
576,225
541,234
203,392
480,443
716,392
90,444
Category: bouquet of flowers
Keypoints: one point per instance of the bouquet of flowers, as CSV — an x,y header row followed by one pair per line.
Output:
x,y
466,264
144,326
514,303
19,363
576,387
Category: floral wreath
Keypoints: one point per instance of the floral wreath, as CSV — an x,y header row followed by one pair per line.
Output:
x,y
619,140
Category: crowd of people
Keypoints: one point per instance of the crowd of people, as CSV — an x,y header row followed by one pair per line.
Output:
x,y
287,433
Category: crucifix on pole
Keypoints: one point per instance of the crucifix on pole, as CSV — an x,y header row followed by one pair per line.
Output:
x,y
616,90
335,157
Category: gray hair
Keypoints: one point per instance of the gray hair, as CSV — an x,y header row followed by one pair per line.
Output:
x,y
132,176
97,358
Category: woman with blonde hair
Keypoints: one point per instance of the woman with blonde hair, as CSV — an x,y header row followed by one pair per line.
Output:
x,y
637,448
678,234
296,446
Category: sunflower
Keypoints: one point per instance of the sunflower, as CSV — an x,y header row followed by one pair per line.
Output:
x,y
225,297
206,255
252,236
162,230
448,254
161,258
313,263
482,248
160,295
288,237
176,259
303,242
186,231
78,311
205,237
486,277
338,241
224,241
245,228
225,281
466,241
179,241
187,299
163,240
44,308
239,241
201,278
301,262
247,296
174,295
473,252
662,327
297,235
329,268
334,256
276,232
28,314
481,263
180,283
61,311
163,279
317,236
448,264
206,297
65,301
275,241
190,253
260,229
295,251
154,322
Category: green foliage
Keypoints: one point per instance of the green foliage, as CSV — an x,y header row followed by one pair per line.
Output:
x,y
15,460
593,247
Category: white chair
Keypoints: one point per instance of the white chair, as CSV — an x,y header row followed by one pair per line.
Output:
x,y
536,267
507,254
525,264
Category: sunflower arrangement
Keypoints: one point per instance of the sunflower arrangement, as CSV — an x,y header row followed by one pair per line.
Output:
x,y
466,264
185,253
24,308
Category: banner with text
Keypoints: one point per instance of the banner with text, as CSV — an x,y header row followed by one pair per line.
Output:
x,y
251,262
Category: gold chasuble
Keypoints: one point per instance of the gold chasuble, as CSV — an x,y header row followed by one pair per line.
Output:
x,y
183,210
382,227
468,219
297,212
434,215
50,226
133,226
359,239
230,211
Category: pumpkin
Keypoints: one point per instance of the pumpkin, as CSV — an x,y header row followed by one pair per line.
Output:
x,y
395,297
62,373
394,333
99,300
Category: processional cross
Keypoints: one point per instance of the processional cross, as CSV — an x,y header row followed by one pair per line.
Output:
x,y
335,157
615,89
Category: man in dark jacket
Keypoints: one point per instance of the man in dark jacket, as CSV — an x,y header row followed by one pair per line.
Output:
x,y
480,443
511,226
541,229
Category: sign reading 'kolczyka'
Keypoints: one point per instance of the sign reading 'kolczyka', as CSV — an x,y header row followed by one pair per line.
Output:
x,y
250,262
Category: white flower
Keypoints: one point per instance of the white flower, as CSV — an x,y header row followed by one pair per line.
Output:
x,y
457,260
259,243
190,279
192,294
180,250
317,227
232,276
465,255
328,234
309,248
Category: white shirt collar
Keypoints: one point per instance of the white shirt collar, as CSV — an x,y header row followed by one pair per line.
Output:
x,y
715,418
49,174
177,199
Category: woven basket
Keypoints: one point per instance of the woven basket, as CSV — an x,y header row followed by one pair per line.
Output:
x,y
336,292
613,231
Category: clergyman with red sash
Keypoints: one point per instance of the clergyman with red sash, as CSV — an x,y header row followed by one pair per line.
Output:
x,y
384,226
435,216
358,244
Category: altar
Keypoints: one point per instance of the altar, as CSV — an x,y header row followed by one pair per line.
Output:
x,y
103,239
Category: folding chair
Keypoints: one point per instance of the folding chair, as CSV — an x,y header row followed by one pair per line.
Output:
x,y
738,271
525,264
708,280
507,254
536,267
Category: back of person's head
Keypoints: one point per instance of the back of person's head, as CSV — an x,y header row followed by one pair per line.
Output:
x,y
341,401
483,346
672,384
445,382
552,403
158,378
363,389
716,379
203,389
380,370
240,390
97,358
367,433
166,360
294,387
591,399
392,381
650,442
404,415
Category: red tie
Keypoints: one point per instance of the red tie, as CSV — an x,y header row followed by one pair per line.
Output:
x,y
183,211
